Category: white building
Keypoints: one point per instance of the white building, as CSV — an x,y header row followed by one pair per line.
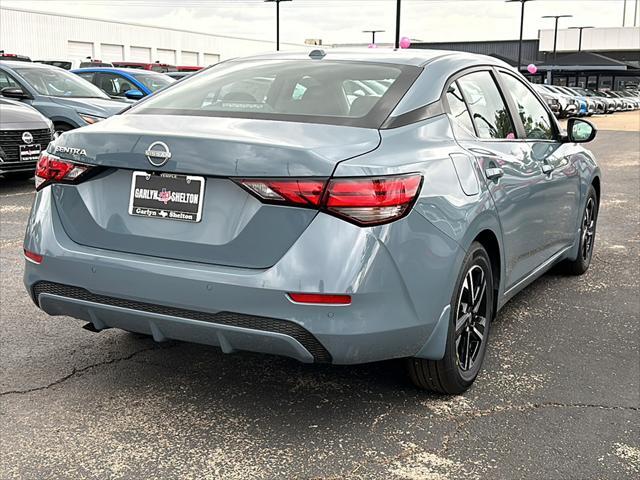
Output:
x,y
593,39
46,36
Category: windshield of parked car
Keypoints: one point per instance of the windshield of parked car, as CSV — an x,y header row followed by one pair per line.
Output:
x,y
151,81
56,82
313,91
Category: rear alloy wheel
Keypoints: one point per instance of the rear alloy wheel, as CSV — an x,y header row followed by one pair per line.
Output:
x,y
468,333
587,236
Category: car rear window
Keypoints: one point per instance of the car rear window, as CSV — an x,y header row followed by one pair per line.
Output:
x,y
359,94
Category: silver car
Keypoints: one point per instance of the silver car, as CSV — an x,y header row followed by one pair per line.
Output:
x,y
24,133
267,205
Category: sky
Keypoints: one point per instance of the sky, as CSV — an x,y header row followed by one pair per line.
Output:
x,y
342,21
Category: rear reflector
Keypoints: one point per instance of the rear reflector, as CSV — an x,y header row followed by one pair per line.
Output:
x,y
320,298
53,169
32,257
365,201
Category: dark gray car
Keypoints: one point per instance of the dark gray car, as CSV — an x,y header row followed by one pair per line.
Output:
x,y
24,133
68,100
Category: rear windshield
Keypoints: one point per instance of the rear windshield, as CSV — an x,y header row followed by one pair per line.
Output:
x,y
313,91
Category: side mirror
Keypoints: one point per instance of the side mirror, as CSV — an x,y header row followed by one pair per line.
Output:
x,y
13,92
580,130
134,94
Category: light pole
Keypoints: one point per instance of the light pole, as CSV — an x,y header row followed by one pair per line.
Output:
x,y
624,13
522,2
580,37
277,2
397,42
555,32
373,34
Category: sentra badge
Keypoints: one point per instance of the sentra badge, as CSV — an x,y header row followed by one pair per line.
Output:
x,y
71,150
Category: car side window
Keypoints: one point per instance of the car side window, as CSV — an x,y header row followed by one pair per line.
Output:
x,y
489,112
113,85
535,117
7,81
88,76
458,107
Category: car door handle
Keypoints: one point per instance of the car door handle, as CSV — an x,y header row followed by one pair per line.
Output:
x,y
547,169
494,173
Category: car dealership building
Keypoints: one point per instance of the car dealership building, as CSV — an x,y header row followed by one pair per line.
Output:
x,y
607,58
46,36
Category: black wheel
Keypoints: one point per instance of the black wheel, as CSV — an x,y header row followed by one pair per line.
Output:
x,y
18,175
470,321
587,236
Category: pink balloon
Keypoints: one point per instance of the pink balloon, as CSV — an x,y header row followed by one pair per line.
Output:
x,y
405,42
531,68
373,45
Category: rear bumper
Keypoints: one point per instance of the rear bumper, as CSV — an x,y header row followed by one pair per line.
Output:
x,y
399,277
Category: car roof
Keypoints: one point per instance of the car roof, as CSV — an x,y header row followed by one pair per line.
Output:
x,y
13,64
130,71
413,56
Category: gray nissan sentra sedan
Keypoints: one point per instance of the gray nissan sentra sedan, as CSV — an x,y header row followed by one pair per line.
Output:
x,y
341,207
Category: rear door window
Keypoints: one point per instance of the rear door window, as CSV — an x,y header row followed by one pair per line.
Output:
x,y
458,107
489,112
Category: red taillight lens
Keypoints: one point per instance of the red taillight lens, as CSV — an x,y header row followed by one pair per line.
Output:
x,y
365,201
372,200
328,299
304,192
32,256
52,169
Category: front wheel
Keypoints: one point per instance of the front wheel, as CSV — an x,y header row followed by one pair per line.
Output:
x,y
470,321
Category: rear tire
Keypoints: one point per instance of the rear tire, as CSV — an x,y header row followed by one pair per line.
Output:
x,y
587,236
469,325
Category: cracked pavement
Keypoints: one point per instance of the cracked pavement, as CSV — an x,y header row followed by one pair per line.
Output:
x,y
558,397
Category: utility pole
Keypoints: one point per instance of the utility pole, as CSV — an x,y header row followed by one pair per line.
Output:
x,y
555,32
580,37
624,13
522,2
373,34
277,2
397,42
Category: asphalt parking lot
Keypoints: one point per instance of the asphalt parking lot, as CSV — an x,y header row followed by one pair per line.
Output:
x,y
558,399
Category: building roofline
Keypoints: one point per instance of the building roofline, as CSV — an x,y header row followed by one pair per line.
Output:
x,y
120,22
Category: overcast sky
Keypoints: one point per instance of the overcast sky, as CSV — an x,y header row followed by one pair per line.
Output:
x,y
341,21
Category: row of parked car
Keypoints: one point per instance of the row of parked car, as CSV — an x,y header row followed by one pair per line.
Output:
x,y
576,101
42,99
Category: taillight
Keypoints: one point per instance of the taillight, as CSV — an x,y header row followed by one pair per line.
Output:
x,y
372,200
364,201
52,169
